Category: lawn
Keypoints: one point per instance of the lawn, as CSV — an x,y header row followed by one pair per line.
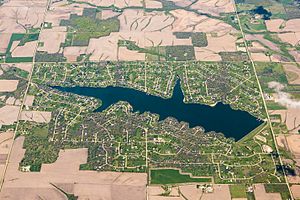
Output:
x,y
238,191
172,176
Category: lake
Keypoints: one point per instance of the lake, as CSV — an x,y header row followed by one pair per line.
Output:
x,y
220,118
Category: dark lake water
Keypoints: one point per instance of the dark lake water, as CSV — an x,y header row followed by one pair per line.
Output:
x,y
220,118
263,12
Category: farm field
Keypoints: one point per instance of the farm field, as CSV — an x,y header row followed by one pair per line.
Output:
x,y
139,145
169,176
60,139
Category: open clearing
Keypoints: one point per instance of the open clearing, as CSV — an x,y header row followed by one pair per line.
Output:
x,y
264,41
294,144
293,73
220,192
280,25
287,32
153,4
260,193
6,140
8,114
8,85
36,116
29,100
260,57
290,117
296,191
4,38
14,19
23,66
71,53
189,191
52,39
214,7
24,51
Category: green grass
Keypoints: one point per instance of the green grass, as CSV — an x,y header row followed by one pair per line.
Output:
x,y
271,105
157,53
130,45
87,28
295,95
153,53
268,72
259,25
14,37
234,56
23,38
250,196
180,53
2,58
18,59
238,191
5,128
285,154
230,19
173,176
284,47
41,131
18,73
28,38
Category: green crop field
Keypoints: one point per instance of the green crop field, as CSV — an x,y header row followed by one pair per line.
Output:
x,y
238,191
173,176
